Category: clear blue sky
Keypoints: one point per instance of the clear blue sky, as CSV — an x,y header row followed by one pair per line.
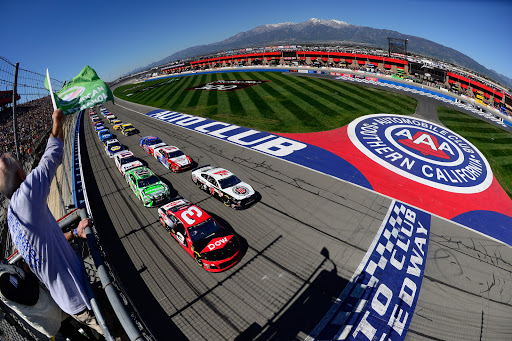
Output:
x,y
114,37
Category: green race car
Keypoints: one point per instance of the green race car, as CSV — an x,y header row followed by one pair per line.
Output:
x,y
147,186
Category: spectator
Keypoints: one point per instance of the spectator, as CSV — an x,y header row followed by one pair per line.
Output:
x,y
36,233
33,125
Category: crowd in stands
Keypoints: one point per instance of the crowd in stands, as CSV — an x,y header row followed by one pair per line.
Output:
x,y
34,121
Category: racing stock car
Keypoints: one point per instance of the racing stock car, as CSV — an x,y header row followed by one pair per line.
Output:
x,y
149,143
113,146
125,160
172,158
225,185
147,186
128,129
212,246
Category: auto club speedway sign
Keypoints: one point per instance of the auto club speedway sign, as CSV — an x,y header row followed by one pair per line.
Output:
x,y
422,151
254,139
379,301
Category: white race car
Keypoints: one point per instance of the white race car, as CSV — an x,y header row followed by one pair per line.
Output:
x,y
223,184
172,158
126,160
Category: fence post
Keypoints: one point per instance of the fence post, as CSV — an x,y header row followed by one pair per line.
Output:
x,y
14,117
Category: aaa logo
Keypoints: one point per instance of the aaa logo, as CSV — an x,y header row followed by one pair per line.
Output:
x,y
425,143
422,151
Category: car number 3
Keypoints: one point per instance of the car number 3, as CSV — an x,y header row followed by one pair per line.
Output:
x,y
188,215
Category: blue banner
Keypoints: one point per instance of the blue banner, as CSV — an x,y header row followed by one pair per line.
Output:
x,y
379,301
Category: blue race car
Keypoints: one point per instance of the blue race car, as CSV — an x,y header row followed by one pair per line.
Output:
x,y
98,127
104,135
150,143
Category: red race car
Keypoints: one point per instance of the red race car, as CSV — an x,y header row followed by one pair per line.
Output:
x,y
213,247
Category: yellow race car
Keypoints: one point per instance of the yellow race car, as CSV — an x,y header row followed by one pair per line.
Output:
x,y
128,129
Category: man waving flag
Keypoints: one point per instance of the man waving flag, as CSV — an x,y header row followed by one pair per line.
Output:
x,y
82,92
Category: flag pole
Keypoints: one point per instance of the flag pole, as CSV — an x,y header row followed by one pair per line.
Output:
x,y
51,90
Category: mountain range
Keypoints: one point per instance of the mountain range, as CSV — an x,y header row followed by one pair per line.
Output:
x,y
333,32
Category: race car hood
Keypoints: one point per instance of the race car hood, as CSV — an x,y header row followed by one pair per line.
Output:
x,y
241,191
155,190
114,149
217,246
181,160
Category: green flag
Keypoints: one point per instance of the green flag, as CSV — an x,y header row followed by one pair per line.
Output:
x,y
82,92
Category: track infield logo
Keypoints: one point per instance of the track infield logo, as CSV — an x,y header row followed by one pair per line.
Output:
x,y
422,151
227,85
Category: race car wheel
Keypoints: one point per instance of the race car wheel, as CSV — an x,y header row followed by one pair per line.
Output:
x,y
226,201
198,184
198,259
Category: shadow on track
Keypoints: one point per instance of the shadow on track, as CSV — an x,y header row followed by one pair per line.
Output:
x,y
306,311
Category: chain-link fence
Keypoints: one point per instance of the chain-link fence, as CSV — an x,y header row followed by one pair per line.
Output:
x,y
25,120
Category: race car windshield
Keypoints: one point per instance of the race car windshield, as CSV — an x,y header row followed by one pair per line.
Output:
x,y
203,229
229,182
172,155
128,159
153,179
153,142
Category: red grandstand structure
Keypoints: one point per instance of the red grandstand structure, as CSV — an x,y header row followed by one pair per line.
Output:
x,y
403,67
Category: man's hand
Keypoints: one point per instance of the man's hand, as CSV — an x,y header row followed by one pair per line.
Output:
x,y
81,227
58,122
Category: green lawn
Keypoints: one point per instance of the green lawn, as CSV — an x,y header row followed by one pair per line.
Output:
x,y
493,142
286,104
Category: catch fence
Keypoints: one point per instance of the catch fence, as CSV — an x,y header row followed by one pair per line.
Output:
x,y
25,124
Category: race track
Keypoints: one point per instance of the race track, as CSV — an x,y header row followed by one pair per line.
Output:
x,y
302,242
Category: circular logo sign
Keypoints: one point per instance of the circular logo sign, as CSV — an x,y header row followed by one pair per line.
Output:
x,y
422,151
241,190
72,94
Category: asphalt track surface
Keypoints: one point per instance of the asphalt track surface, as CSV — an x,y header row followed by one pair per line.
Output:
x,y
302,243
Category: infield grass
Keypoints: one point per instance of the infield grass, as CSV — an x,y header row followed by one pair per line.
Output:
x,y
286,104
493,142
